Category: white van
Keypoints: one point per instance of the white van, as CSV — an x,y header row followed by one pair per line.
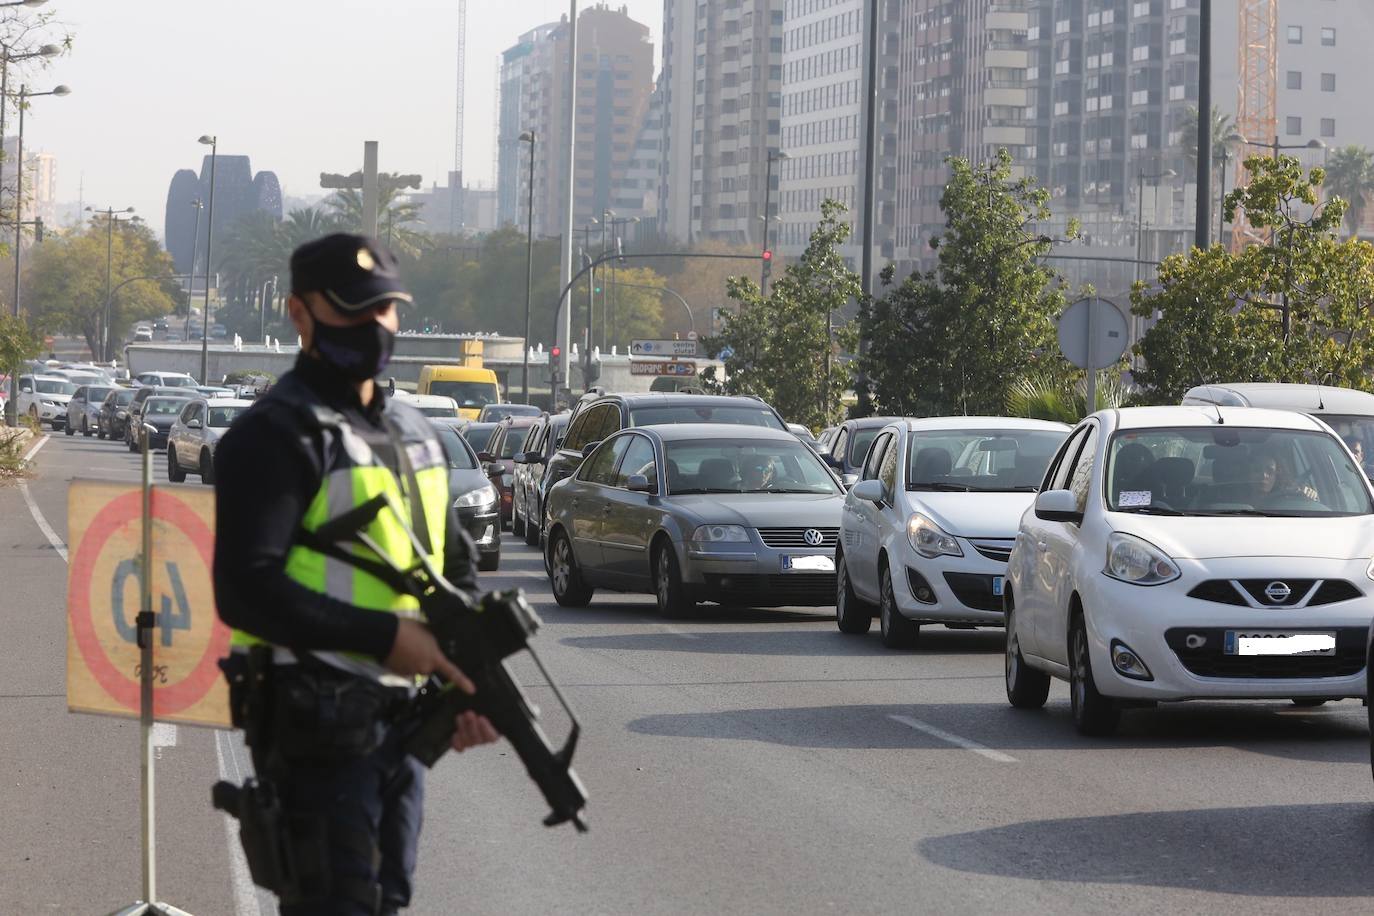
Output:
x,y
1350,413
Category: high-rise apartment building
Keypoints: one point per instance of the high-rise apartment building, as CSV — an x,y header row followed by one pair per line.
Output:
x,y
722,101
636,194
40,182
614,80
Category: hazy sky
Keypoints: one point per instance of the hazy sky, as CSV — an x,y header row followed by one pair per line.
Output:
x,y
298,85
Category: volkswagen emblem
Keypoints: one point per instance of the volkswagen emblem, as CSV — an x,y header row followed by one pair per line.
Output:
x,y
1277,592
813,537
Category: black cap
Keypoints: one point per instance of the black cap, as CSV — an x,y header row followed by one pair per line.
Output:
x,y
353,272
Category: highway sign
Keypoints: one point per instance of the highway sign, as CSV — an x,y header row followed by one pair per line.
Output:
x,y
663,348
682,369
105,532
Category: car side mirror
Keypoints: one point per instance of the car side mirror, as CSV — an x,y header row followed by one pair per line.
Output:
x,y
589,448
193,424
529,458
868,490
1058,506
638,483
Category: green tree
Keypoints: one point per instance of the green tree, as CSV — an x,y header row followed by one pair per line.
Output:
x,y
1224,136
65,283
779,340
1298,309
18,342
957,338
396,216
1350,173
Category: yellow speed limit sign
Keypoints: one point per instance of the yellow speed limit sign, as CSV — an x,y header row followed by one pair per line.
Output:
x,y
103,666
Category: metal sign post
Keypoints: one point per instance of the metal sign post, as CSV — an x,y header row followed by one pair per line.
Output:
x,y
1092,335
144,623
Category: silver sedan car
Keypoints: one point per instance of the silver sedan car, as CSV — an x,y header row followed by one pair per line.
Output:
x,y
192,438
742,516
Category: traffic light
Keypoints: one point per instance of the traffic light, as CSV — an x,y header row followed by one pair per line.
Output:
x,y
767,254
767,265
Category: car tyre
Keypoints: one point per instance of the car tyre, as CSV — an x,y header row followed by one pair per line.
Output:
x,y
86,427
66,428
99,431
175,472
207,468
852,614
531,533
568,588
1308,702
669,592
1026,687
897,631
1093,713
517,521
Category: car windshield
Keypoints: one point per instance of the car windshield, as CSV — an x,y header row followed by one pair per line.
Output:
x,y
96,394
479,435
745,466
736,414
163,406
438,411
1228,470
980,460
52,386
467,394
221,417
459,457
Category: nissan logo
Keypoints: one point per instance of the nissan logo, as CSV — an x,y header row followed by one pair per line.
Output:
x,y
1277,592
813,537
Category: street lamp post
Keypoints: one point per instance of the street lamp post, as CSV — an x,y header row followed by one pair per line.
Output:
x,y
110,220
569,202
1221,203
1202,220
610,304
262,307
530,138
776,155
213,143
24,95
191,271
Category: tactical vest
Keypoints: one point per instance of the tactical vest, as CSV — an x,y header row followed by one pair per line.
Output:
x,y
353,475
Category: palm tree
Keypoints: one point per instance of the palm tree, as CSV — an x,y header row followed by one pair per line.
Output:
x,y
1350,175
395,215
1224,135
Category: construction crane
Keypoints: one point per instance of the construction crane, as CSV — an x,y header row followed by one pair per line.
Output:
x,y
455,191
1257,112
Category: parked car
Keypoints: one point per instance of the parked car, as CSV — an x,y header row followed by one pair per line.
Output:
x,y
849,446
166,380
474,498
927,529
493,413
478,435
192,437
114,412
527,507
1350,413
499,458
158,412
434,406
218,331
143,334
44,398
738,515
214,391
825,438
83,410
1180,553
598,416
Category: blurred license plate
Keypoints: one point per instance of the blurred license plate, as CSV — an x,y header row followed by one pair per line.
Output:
x,y
998,582
808,564
1279,642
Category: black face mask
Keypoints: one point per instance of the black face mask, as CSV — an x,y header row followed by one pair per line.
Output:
x,y
359,352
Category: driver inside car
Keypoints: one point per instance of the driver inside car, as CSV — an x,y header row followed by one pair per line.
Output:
x,y
756,473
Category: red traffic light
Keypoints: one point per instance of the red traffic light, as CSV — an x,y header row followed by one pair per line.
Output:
x,y
556,352
767,255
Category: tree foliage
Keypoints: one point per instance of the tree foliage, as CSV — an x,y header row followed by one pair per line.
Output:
x,y
1225,136
18,342
955,340
65,286
1222,315
777,343
1350,174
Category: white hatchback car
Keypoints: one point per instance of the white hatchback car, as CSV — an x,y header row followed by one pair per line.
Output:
x,y
926,531
1180,553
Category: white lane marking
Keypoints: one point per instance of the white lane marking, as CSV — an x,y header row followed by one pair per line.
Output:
x,y
676,632
165,735
28,456
245,895
954,739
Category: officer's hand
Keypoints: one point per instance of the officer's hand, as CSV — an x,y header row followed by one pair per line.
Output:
x,y
471,730
416,651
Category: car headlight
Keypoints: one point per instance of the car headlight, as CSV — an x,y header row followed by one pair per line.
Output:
x,y
48,403
480,498
1137,561
930,540
721,534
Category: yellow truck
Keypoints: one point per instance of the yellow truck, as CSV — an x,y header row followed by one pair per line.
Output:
x,y
473,388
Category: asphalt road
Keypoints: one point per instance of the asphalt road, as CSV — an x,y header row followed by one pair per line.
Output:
x,y
754,762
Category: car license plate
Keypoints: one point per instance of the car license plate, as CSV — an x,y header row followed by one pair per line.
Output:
x,y
1279,642
808,564
998,583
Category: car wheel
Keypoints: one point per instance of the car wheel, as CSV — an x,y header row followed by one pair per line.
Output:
x,y
1308,702
489,562
669,593
133,446
207,468
66,428
517,521
1026,687
852,613
897,631
175,472
86,427
532,533
568,588
1093,714
99,430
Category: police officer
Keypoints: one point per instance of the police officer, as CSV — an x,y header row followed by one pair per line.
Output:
x,y
342,647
